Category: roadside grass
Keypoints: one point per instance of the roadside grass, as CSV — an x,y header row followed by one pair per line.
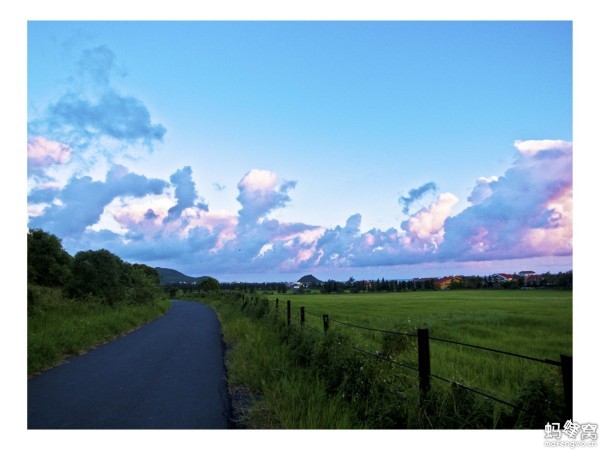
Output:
x,y
531,323
59,327
283,394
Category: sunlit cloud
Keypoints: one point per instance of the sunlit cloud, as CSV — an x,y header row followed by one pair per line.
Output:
x,y
525,213
42,153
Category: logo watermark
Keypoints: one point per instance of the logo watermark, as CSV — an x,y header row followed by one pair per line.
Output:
x,y
571,434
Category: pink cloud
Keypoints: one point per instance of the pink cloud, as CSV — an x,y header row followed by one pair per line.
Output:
x,y
258,180
42,153
425,229
527,212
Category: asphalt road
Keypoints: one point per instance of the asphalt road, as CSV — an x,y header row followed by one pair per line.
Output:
x,y
168,374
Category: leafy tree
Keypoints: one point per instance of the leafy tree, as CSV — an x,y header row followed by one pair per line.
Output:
x,y
209,284
48,264
99,273
148,271
141,283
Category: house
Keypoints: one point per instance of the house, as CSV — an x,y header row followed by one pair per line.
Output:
x,y
501,277
446,282
526,273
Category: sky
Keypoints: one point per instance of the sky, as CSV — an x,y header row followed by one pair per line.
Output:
x,y
264,151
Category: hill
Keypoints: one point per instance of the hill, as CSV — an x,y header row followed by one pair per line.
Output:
x,y
309,280
170,276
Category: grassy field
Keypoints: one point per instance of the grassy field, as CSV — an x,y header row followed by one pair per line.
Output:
x,y
535,323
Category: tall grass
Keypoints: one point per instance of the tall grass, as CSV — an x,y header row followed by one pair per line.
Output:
x,y
281,393
380,393
58,327
531,323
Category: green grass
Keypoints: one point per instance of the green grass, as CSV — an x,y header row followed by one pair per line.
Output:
x,y
282,393
532,323
58,327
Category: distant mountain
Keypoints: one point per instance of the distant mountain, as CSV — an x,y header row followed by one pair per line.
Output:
x,y
169,276
309,280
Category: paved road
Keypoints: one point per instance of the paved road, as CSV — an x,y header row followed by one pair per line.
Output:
x,y
167,374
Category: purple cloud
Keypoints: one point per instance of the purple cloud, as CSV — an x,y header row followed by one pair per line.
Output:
x,y
185,193
82,201
527,212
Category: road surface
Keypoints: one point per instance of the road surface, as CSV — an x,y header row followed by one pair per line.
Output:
x,y
168,374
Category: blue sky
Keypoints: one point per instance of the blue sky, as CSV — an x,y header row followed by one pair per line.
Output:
x,y
268,150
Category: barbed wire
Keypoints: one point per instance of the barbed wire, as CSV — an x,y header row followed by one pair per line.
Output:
x,y
545,361
410,367
371,329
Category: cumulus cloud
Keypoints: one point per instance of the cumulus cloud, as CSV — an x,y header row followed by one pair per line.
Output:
x,y
425,229
185,193
482,189
82,201
526,213
260,192
533,147
416,194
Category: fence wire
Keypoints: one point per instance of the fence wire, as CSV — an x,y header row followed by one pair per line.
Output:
x,y
411,367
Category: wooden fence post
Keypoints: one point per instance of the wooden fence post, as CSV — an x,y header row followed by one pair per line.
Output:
x,y
302,316
277,307
289,312
326,323
424,363
566,368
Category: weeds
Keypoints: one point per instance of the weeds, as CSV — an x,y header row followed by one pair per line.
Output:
x,y
300,379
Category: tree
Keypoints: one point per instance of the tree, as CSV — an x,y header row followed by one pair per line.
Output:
x,y
141,283
48,264
148,271
99,273
209,284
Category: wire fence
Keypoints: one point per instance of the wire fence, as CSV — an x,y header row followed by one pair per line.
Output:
x,y
423,368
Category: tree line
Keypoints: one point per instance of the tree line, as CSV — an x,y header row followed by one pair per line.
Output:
x,y
561,280
92,275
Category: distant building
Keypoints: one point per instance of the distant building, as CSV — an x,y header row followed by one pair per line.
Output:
x,y
445,283
526,273
501,277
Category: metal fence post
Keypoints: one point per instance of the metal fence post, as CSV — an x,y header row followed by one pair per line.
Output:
x,y
566,369
424,362
326,323
289,312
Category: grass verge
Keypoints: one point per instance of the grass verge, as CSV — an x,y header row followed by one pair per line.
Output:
x,y
276,392
59,327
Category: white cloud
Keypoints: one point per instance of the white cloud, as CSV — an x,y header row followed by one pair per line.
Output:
x,y
533,147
